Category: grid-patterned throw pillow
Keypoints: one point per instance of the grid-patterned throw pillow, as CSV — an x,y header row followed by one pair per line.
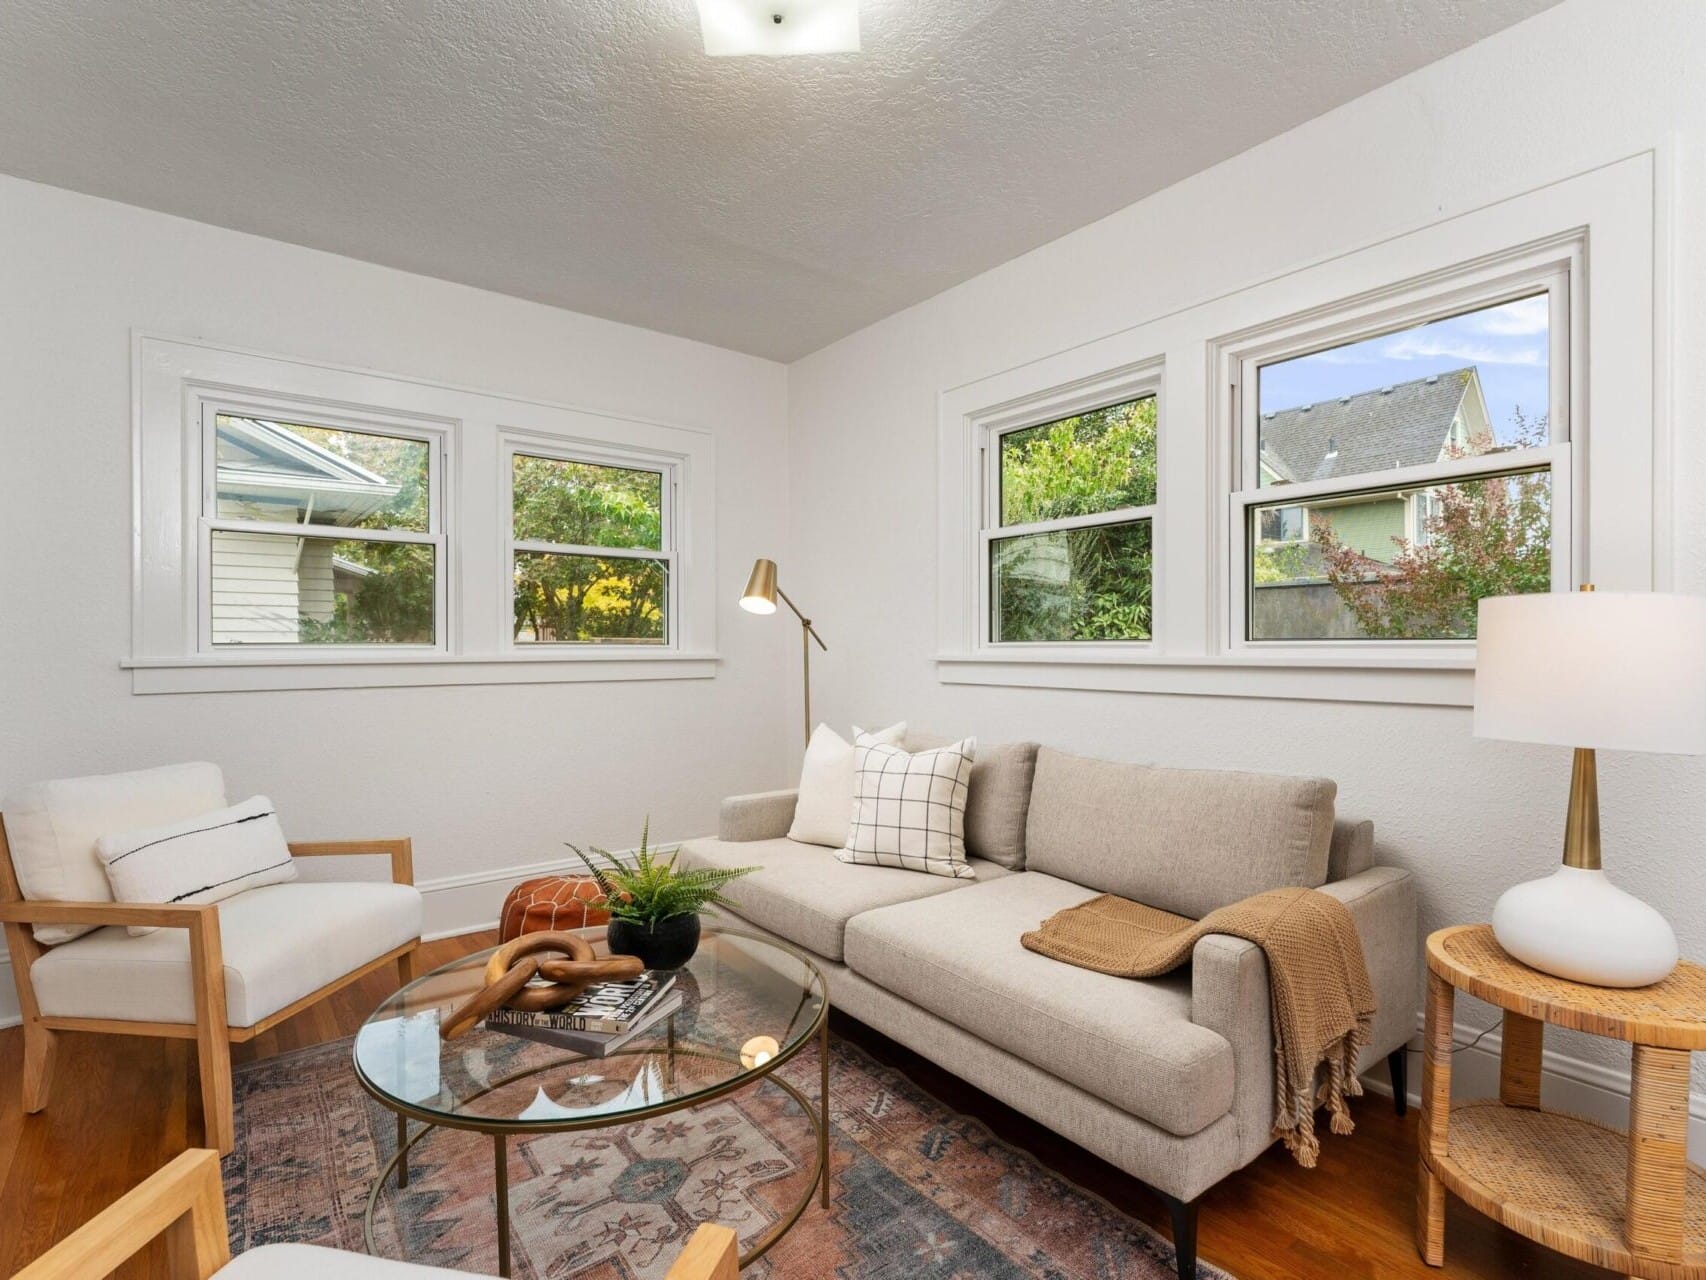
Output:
x,y
909,809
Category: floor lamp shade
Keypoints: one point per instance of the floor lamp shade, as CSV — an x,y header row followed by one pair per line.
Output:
x,y
1624,671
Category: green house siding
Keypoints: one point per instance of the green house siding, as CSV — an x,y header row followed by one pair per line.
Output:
x,y
1366,527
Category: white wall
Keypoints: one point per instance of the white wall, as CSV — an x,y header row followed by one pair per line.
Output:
x,y
485,778
1584,84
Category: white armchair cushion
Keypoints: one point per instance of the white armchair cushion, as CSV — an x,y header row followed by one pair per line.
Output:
x,y
297,1261
207,858
52,828
280,943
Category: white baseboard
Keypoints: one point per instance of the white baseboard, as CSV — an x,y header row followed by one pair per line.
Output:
x,y
451,905
1567,1083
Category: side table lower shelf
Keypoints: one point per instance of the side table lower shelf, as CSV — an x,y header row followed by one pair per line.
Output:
x,y
1562,1181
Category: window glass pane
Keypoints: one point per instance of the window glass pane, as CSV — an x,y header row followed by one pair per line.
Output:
x,y
274,588
1403,564
270,470
590,599
583,505
1079,466
1074,584
1467,385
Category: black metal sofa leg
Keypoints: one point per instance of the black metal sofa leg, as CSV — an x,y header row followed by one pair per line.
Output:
x,y
1184,1214
1397,1067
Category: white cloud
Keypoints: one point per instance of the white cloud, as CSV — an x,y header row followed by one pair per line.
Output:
x,y
1421,345
1514,319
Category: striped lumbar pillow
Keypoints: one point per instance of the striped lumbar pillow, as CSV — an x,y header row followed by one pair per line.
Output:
x,y
203,859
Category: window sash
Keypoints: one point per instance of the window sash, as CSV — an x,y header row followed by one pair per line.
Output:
x,y
1554,280
666,553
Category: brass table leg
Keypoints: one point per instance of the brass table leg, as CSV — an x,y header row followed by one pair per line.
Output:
x,y
402,1150
1658,1152
823,1105
500,1152
1436,1116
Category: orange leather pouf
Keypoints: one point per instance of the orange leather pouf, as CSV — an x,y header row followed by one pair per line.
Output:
x,y
550,902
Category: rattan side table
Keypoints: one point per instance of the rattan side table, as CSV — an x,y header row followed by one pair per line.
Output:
x,y
1630,1202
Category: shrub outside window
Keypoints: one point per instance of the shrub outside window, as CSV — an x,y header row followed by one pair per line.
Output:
x,y
1426,455
1071,555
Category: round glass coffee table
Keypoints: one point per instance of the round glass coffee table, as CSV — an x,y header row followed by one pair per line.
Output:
x,y
749,1005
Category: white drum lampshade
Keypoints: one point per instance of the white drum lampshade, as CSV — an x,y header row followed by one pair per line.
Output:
x,y
1623,671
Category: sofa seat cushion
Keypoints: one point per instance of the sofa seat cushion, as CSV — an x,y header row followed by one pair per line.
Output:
x,y
1129,1042
296,1261
802,893
280,942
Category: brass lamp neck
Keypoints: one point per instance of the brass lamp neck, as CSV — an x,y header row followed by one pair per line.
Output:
x,y
1581,828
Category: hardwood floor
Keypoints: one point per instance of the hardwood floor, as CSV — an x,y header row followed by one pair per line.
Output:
x,y
121,1109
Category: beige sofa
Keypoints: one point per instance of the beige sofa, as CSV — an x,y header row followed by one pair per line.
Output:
x,y
1170,1079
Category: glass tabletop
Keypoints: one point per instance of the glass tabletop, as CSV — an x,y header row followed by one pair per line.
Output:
x,y
747,1005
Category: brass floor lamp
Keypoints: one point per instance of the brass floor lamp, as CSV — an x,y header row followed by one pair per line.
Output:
x,y
760,597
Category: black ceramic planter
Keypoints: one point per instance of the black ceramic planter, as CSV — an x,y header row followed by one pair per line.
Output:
x,y
667,944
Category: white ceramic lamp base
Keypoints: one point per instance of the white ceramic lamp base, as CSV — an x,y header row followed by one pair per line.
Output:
x,y
1576,924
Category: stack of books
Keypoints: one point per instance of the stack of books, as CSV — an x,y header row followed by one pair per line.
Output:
x,y
600,1019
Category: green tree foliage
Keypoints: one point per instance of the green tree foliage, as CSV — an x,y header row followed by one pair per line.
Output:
x,y
585,597
1489,537
1080,584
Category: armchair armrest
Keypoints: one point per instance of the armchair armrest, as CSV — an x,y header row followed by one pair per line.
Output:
x,y
400,851
764,815
1382,901
155,915
183,1201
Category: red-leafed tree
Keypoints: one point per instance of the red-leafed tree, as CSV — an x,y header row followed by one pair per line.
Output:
x,y
1486,537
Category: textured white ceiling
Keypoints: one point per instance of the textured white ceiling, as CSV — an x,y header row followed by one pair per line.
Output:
x,y
587,153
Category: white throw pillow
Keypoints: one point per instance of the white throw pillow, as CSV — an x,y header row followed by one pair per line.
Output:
x,y
207,858
53,826
909,809
825,806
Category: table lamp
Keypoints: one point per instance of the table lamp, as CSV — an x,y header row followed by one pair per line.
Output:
x,y
760,597
1622,671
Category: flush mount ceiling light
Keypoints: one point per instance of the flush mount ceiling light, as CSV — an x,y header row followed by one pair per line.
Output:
x,y
775,28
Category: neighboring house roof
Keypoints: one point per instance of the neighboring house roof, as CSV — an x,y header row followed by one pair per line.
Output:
x,y
267,462
1403,425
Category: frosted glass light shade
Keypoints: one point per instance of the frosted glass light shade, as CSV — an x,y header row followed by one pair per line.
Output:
x,y
776,28
1614,670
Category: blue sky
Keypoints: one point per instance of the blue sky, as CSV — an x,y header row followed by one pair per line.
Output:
x,y
1507,343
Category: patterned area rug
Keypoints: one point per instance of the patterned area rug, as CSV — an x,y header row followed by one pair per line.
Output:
x,y
917,1191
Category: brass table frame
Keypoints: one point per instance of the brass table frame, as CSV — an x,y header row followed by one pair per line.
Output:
x,y
499,1131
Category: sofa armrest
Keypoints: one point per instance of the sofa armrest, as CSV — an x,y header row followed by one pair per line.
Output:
x,y
1229,996
401,851
1382,901
764,815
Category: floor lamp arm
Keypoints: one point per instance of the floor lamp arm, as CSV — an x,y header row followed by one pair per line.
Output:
x,y
808,633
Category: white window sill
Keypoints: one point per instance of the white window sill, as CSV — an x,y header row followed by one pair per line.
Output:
x,y
238,673
1338,676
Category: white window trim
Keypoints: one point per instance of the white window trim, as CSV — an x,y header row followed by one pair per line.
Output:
x,y
663,465
1547,267
174,379
1620,481
1118,386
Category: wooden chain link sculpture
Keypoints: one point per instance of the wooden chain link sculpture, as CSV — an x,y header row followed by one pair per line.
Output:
x,y
515,964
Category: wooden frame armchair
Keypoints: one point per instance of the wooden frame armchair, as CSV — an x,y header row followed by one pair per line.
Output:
x,y
210,1029
184,1203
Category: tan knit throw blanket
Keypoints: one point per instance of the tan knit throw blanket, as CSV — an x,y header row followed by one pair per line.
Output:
x,y
1322,1002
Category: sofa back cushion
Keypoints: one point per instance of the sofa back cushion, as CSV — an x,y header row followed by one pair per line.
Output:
x,y
52,828
999,799
1184,840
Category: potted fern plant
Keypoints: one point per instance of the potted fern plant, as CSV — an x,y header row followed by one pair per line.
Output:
x,y
654,907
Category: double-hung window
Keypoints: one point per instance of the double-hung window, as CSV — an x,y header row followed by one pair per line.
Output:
x,y
319,532
1392,476
592,549
1068,536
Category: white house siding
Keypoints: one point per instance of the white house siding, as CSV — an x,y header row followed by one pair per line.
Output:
x,y
262,586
